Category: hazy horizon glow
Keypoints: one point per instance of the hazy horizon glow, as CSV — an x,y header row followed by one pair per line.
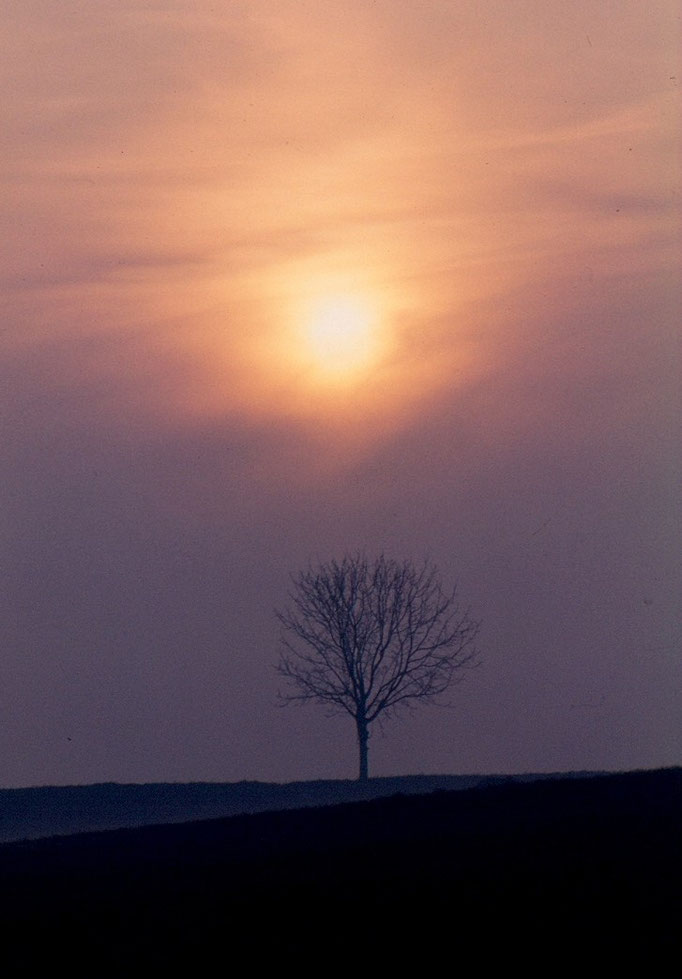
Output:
x,y
281,280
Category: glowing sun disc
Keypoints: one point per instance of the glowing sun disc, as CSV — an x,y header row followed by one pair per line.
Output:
x,y
341,334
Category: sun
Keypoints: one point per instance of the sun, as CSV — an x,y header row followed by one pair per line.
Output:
x,y
341,335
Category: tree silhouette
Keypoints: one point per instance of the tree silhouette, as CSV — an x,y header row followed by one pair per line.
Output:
x,y
370,637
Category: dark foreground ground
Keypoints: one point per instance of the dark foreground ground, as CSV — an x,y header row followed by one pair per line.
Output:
x,y
539,874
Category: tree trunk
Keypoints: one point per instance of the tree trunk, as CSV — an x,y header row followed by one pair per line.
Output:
x,y
363,746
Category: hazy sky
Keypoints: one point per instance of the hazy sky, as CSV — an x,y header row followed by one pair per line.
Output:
x,y
287,278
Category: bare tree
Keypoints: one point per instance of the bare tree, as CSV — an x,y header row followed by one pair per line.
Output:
x,y
371,637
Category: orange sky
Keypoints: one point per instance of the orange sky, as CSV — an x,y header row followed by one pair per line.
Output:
x,y
494,185
187,175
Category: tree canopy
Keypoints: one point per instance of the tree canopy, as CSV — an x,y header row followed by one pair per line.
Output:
x,y
370,637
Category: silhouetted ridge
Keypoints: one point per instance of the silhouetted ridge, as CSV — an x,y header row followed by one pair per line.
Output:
x,y
58,810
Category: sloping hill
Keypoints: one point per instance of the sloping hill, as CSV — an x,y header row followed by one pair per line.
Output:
x,y
32,813
583,867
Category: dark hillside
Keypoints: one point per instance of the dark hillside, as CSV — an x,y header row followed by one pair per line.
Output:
x,y
564,867
56,810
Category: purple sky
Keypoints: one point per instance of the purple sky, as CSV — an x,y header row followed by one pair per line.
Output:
x,y
494,187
